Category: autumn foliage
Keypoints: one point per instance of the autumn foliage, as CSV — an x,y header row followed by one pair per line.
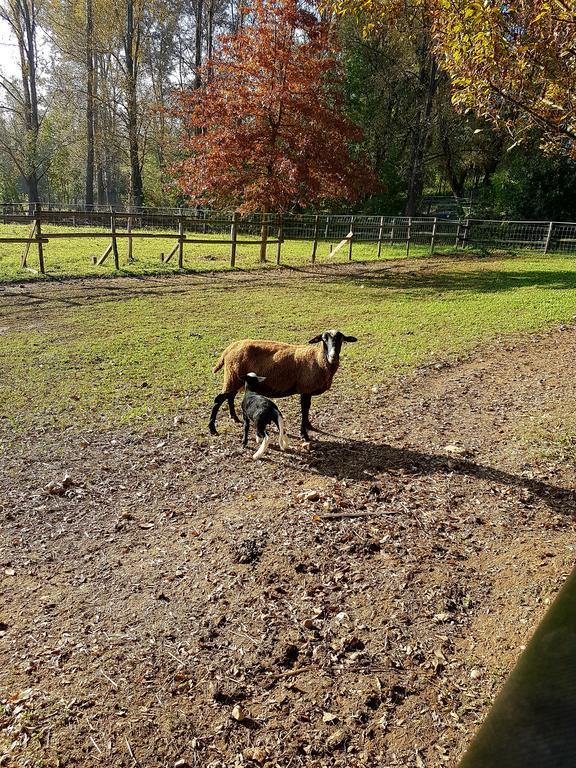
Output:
x,y
266,131
511,63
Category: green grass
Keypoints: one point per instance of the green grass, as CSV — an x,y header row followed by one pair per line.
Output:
x,y
74,257
552,436
107,354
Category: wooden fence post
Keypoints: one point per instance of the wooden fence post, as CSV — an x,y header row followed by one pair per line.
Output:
x,y
129,230
408,236
315,243
380,231
466,233
113,235
352,219
433,236
392,232
39,238
233,238
548,237
180,239
280,239
458,233
31,236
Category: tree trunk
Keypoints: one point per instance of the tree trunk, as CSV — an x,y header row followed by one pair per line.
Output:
x,y
24,24
422,135
198,43
131,46
89,195
455,179
210,40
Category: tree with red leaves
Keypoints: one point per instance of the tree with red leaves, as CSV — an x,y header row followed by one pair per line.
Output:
x,y
266,131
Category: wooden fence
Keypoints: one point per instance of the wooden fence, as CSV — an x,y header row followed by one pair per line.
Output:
x,y
340,231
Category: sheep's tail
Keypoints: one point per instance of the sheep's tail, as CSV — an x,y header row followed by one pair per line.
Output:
x,y
283,440
219,364
263,447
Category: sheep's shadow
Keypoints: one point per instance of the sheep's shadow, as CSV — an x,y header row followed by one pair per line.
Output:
x,y
358,459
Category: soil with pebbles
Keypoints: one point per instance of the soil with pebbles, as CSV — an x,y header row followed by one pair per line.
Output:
x,y
167,601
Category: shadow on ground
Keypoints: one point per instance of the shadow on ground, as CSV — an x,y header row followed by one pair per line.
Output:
x,y
400,275
353,459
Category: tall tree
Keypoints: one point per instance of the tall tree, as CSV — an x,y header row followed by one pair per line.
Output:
x,y
267,132
132,53
23,99
90,98
412,24
513,63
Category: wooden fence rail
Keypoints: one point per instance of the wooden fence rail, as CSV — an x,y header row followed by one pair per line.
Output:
x,y
193,227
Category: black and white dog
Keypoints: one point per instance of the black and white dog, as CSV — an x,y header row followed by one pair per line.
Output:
x,y
261,412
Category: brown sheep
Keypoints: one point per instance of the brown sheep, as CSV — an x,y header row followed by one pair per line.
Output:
x,y
290,369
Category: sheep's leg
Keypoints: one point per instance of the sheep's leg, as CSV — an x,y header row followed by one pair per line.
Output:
x,y
231,408
218,400
282,439
305,401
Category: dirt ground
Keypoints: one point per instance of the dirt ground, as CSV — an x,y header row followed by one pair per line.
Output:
x,y
174,603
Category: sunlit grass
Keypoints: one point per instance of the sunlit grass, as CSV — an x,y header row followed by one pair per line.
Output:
x,y
109,354
75,257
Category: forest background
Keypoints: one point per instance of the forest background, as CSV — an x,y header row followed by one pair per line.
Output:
x,y
87,107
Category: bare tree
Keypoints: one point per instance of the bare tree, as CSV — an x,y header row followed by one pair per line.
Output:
x,y
22,100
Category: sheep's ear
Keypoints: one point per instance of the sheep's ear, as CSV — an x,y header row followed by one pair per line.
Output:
x,y
316,339
261,379
349,338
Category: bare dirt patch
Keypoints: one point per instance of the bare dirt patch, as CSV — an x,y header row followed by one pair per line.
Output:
x,y
174,603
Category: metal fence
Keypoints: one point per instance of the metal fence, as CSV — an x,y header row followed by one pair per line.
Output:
x,y
201,226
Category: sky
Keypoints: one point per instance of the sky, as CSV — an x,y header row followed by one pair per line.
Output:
x,y
8,51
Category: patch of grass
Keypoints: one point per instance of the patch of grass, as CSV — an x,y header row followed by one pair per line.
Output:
x,y
113,352
553,435
74,257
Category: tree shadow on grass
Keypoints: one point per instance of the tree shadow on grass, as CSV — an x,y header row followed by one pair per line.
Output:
x,y
353,459
408,276
477,281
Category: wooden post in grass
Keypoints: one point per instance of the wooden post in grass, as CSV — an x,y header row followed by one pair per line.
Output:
x,y
129,231
38,215
264,222
341,244
548,237
233,238
180,239
351,236
433,236
31,236
458,234
280,239
408,236
114,241
315,243
392,232
380,231
466,233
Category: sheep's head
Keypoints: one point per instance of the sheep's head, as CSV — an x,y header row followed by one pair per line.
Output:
x,y
332,341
